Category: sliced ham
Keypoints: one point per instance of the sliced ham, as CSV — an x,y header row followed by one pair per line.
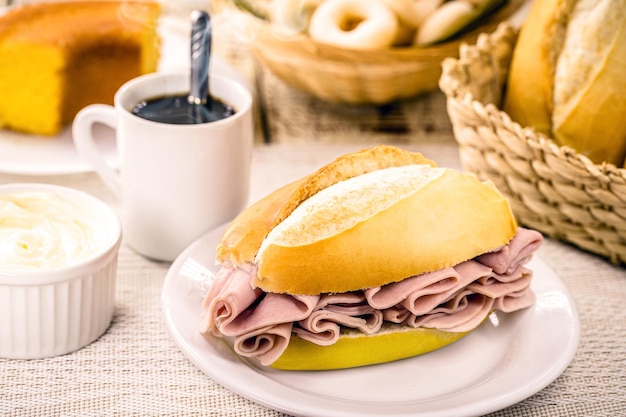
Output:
x,y
515,301
500,285
453,299
334,311
468,272
229,297
517,252
396,314
270,310
263,331
433,283
464,312
266,343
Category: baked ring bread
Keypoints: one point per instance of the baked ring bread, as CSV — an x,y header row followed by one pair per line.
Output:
x,y
354,24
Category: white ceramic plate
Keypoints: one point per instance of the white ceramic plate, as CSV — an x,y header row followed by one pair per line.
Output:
x,y
37,155
509,358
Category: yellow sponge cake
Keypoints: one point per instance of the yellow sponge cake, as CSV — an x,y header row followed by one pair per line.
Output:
x,y
57,57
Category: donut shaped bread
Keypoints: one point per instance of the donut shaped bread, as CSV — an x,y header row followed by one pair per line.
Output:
x,y
354,24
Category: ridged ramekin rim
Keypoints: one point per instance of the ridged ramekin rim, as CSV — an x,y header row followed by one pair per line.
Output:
x,y
84,267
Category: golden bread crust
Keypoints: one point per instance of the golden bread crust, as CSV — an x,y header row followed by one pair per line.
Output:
x,y
349,166
567,62
243,237
450,220
529,99
358,349
241,241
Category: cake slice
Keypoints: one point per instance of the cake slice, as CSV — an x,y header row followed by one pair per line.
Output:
x,y
58,57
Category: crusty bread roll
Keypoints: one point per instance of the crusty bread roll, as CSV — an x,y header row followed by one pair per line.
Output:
x,y
567,76
241,240
243,237
323,248
459,218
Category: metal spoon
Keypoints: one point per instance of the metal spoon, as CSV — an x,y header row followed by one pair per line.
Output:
x,y
200,57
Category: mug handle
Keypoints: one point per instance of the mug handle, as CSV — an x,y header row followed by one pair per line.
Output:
x,y
82,134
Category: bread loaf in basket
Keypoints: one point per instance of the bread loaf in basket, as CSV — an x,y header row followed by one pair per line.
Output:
x,y
551,188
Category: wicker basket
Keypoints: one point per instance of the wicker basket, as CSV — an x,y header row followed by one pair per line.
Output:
x,y
552,189
358,77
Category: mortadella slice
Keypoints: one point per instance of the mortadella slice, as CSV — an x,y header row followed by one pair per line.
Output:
x,y
454,299
436,282
517,252
463,313
265,344
229,296
271,310
334,311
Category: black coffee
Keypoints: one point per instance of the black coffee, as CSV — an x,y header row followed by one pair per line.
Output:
x,y
177,110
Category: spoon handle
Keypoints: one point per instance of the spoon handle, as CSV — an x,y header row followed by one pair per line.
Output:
x,y
200,55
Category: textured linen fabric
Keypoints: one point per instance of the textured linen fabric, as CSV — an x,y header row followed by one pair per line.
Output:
x,y
135,369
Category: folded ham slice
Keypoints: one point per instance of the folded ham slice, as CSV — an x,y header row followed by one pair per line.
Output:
x,y
333,311
517,252
265,343
453,299
229,296
464,312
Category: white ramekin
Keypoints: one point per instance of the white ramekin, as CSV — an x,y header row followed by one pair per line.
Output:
x,y
51,313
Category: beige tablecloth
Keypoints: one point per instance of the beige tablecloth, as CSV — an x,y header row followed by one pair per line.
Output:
x,y
136,369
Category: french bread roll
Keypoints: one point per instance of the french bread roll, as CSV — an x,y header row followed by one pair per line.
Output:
x,y
567,76
243,237
288,294
454,217
241,240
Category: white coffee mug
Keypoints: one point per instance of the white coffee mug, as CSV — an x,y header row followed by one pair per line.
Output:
x,y
175,182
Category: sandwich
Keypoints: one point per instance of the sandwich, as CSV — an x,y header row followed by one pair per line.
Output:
x,y
378,256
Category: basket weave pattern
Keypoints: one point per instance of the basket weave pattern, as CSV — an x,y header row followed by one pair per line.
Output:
x,y
355,76
551,188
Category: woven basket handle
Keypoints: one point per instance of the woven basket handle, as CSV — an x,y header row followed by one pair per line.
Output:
x,y
481,70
